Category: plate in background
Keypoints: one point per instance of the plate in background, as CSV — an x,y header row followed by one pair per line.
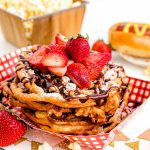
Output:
x,y
143,62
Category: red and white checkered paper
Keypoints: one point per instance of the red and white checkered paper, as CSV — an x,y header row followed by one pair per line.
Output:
x,y
140,92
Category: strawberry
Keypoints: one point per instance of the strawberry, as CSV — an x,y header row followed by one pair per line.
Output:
x,y
59,71
78,48
60,39
57,48
95,62
55,59
37,56
101,46
11,129
79,75
70,62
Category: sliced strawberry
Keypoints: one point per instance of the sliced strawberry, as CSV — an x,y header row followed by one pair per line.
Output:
x,y
105,58
57,48
37,56
55,59
70,62
11,130
101,46
95,62
35,60
60,39
78,48
59,71
79,75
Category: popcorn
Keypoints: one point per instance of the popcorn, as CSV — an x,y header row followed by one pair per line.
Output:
x,y
45,146
31,8
27,9
74,146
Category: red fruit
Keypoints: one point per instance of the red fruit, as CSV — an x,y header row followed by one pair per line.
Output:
x,y
101,46
60,39
95,62
59,71
70,62
79,75
57,48
11,130
37,56
55,59
78,48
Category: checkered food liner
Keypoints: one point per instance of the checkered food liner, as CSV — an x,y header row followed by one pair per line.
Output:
x,y
140,92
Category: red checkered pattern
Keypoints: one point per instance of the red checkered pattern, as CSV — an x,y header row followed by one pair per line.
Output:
x,y
140,92
8,62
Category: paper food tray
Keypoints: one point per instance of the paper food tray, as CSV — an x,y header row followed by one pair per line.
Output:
x,y
140,92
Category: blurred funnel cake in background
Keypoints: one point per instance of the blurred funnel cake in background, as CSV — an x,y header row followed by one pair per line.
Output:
x,y
66,87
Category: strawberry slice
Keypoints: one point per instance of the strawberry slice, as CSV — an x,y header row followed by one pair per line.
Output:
x,y
95,62
70,61
11,130
37,56
60,39
55,59
59,71
101,46
57,48
79,75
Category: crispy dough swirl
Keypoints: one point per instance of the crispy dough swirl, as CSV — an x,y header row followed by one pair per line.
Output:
x,y
51,106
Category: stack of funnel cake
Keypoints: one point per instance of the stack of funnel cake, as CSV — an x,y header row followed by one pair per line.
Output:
x,y
56,104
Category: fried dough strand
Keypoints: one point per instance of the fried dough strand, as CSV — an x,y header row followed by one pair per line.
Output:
x,y
67,128
87,111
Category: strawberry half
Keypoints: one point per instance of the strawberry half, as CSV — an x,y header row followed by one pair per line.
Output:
x,y
101,46
11,130
78,48
79,75
37,56
95,62
59,71
55,59
70,62
57,48
60,39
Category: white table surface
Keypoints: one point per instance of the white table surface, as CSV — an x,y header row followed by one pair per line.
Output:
x,y
100,15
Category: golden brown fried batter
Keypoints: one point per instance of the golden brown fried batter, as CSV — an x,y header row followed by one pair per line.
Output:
x,y
77,113
67,128
96,114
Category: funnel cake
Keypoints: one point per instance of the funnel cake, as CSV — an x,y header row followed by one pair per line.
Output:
x,y
57,104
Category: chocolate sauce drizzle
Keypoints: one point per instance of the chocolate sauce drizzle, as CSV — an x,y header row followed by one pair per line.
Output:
x,y
95,96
